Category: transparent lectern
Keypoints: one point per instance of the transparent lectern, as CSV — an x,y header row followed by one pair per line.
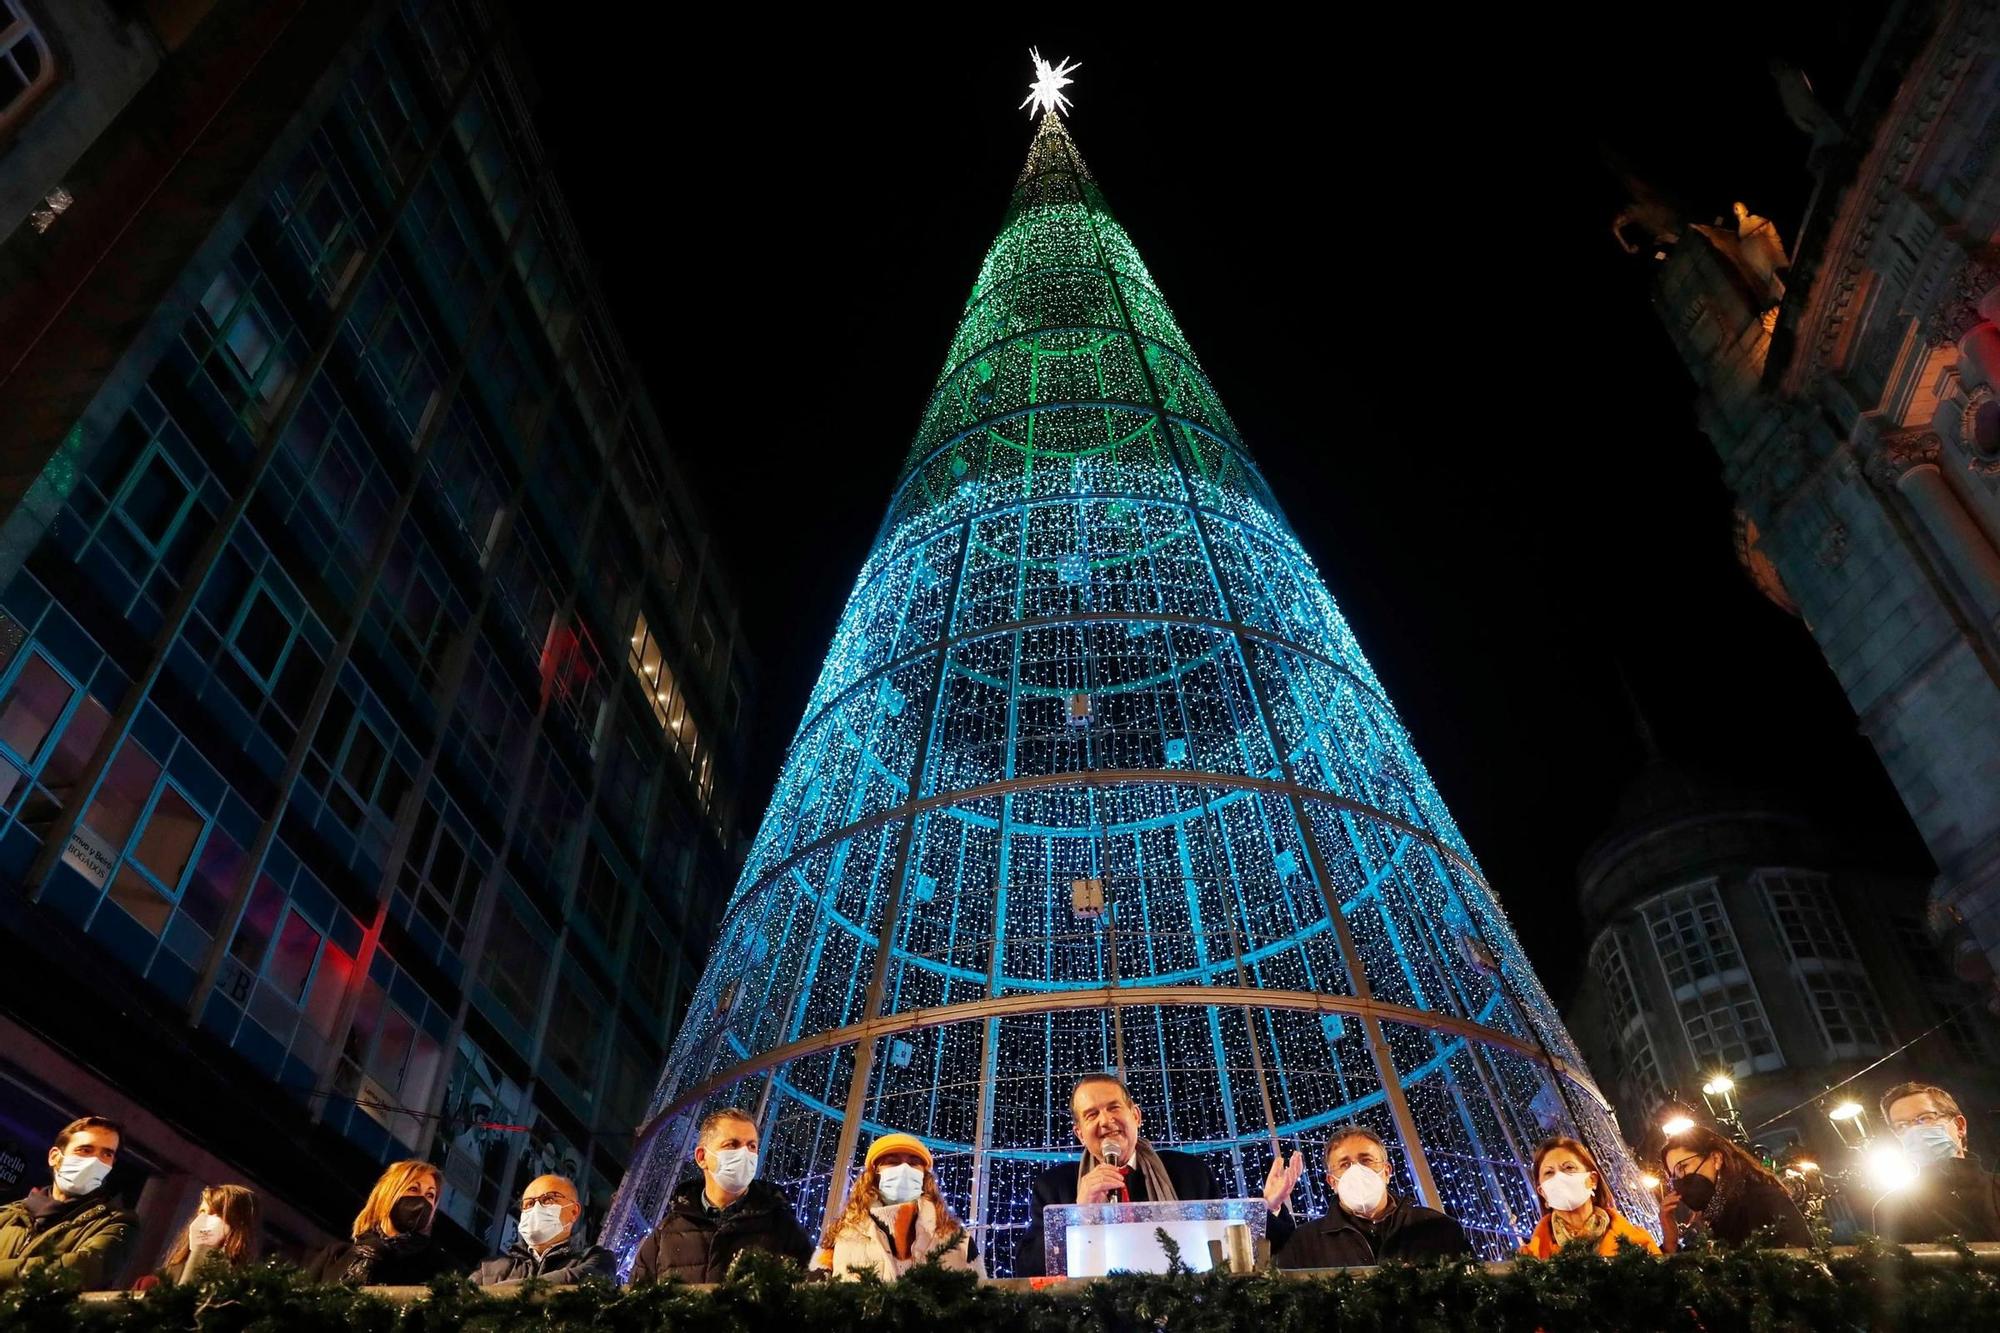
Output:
x,y
1092,1239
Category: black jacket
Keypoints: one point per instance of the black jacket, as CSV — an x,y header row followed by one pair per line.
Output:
x,y
376,1260
695,1244
1190,1177
563,1262
1342,1240
1761,1203
1955,1197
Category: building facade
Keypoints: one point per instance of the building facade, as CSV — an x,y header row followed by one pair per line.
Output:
x,y
1728,935
1848,382
368,702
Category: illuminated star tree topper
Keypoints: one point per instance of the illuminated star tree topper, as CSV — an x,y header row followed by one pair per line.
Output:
x,y
1046,93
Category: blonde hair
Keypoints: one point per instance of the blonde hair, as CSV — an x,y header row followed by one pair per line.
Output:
x,y
374,1214
237,1206
867,1194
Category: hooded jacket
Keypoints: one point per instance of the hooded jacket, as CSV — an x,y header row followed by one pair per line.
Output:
x,y
91,1236
696,1243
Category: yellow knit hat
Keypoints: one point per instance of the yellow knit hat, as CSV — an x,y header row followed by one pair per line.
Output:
x,y
889,1143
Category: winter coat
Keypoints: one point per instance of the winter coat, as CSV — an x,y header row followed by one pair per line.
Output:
x,y
695,1244
860,1247
376,1260
1759,1203
91,1236
562,1263
1955,1197
1341,1240
1191,1181
1621,1232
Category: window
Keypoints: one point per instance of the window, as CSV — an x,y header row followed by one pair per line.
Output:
x,y
600,898
576,1034
34,703
1824,963
647,972
154,498
514,962
1628,1020
1719,1010
441,874
27,68
262,636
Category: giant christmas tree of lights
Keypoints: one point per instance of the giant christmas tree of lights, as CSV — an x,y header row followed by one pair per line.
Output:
x,y
1087,656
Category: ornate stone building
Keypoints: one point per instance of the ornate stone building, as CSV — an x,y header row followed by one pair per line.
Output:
x,y
1730,935
1849,385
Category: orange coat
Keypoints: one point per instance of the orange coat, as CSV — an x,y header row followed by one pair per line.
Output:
x,y
1542,1244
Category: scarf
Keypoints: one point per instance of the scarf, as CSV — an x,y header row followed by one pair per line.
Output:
x,y
1159,1189
1593,1230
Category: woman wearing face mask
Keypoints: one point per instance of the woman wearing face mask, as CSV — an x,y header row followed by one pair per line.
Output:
x,y
392,1234
1577,1204
895,1218
721,1213
226,1228
1733,1197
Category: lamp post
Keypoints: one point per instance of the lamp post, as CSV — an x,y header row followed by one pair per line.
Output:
x,y
1850,1124
1720,1094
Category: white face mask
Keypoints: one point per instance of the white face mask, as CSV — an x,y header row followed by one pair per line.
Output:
x,y
902,1184
1567,1190
733,1168
79,1176
1361,1189
206,1232
542,1223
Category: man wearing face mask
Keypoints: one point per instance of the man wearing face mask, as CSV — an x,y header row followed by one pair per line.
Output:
x,y
727,1210
1118,1166
1954,1194
72,1224
548,1246
1367,1224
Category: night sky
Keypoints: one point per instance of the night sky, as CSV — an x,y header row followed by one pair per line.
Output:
x,y
1391,252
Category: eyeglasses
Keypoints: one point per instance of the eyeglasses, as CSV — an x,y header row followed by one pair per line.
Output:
x,y
540,1199
1916,1121
1686,1168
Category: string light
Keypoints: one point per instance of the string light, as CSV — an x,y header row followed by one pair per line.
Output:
x,y
1078,518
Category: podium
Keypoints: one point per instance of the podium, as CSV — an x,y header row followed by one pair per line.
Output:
x,y
1092,1239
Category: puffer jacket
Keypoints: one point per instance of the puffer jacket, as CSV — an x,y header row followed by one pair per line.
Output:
x,y
871,1247
91,1236
695,1244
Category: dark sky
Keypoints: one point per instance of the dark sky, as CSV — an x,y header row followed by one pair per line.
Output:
x,y
1391,252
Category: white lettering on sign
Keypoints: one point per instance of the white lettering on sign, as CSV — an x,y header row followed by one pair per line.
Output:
x,y
90,855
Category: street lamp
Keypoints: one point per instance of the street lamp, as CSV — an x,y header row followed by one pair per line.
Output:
x,y
1889,1168
1719,1093
1676,1125
1850,1123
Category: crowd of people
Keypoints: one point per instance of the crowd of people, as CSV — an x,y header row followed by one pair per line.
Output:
x,y
895,1215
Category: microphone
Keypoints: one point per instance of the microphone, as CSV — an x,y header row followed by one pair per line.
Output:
x,y
1114,1152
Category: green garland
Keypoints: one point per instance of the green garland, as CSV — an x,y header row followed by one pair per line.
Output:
x,y
1706,1290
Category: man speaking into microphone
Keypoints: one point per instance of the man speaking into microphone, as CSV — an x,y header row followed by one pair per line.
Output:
x,y
1118,1166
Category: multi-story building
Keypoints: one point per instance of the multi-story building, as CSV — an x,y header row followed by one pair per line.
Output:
x,y
1849,384
1728,935
368,703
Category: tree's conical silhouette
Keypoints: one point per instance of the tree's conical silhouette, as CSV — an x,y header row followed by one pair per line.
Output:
x,y
1086,647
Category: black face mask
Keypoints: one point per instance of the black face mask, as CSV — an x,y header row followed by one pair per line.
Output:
x,y
410,1215
1696,1191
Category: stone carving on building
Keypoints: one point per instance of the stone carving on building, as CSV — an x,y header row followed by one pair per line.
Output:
x,y
1956,312
1979,431
1895,456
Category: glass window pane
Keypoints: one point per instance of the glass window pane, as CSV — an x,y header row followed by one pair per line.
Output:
x,y
34,702
154,500
207,893
291,962
123,794
397,1033
141,899
167,842
328,986
262,635
260,918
